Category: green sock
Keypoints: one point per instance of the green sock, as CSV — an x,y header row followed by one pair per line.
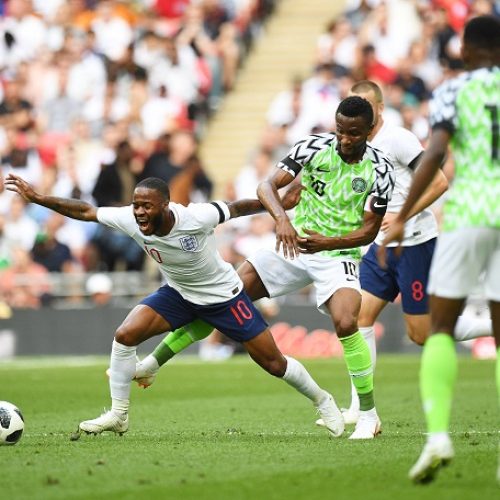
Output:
x,y
438,372
359,364
181,338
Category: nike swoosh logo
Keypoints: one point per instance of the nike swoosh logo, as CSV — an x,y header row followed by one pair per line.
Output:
x,y
322,170
376,205
350,279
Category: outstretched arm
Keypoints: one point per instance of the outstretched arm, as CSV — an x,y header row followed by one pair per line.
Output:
x,y
431,162
267,192
76,209
241,208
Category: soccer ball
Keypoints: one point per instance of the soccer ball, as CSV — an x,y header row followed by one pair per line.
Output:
x,y
11,423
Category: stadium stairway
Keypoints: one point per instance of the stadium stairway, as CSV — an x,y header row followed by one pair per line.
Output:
x,y
285,48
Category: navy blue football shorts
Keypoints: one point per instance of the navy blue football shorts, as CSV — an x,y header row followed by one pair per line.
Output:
x,y
407,273
237,318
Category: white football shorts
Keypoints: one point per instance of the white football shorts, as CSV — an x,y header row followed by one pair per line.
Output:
x,y
460,258
328,274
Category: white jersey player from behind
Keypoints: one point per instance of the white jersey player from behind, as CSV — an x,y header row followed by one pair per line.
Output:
x,y
406,273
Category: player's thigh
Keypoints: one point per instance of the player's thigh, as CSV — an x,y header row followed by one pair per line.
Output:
x,y
412,274
278,275
344,306
495,318
459,259
163,310
378,284
331,275
371,307
141,323
492,278
251,281
418,327
444,314
237,318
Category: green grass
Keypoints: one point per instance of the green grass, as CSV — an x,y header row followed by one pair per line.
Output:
x,y
230,431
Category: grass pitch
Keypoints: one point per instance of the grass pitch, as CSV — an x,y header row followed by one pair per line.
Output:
x,y
230,431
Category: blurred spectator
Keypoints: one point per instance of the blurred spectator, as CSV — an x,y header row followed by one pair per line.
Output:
x,y
49,251
20,229
15,111
100,288
113,33
114,187
25,284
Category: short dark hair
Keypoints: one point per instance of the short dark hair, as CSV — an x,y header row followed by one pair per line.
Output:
x,y
354,106
157,184
483,32
365,86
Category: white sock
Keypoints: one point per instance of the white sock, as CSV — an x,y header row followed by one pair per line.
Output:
x,y
298,377
472,327
369,335
150,364
438,438
121,372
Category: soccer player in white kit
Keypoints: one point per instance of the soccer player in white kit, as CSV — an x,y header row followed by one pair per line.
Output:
x,y
200,284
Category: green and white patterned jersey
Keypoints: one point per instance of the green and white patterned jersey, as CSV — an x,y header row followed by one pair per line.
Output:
x,y
337,193
469,108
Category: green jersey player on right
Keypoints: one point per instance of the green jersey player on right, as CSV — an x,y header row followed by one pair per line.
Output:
x,y
465,114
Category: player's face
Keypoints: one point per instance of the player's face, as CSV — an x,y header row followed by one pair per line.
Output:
x,y
352,133
149,210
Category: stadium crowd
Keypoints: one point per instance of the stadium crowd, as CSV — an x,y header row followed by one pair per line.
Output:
x,y
97,95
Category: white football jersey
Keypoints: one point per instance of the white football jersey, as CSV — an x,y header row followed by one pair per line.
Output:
x,y
187,256
401,147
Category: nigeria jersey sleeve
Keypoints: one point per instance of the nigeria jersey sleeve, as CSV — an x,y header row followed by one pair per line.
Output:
x,y
385,178
442,106
118,217
303,152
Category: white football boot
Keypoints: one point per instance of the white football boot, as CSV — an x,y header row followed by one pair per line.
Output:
x,y
108,421
331,416
368,425
350,417
433,457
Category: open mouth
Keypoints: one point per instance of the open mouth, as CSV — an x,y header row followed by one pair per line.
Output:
x,y
143,224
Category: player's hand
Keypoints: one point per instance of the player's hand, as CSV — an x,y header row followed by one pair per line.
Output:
x,y
286,237
292,197
313,242
388,220
395,232
20,186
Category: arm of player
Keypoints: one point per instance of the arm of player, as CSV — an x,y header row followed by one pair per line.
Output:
x,y
76,209
267,192
240,208
437,187
364,235
431,162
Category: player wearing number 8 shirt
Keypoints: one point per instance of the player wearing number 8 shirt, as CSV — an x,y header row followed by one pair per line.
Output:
x,y
200,284
464,113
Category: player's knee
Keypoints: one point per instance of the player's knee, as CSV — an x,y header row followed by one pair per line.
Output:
x,y
418,335
275,367
346,325
126,336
